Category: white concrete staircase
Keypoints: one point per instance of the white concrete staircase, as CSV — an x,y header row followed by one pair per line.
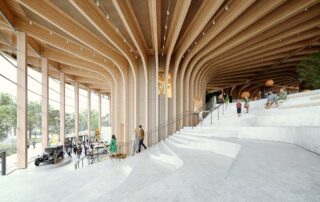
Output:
x,y
226,162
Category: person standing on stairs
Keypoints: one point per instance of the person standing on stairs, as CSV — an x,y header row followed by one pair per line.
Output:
x,y
200,118
246,103
140,134
239,105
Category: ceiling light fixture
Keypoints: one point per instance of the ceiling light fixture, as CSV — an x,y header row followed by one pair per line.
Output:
x,y
227,8
166,26
213,22
30,22
98,3
203,33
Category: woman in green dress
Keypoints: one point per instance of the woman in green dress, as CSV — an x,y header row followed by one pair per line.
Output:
x,y
113,145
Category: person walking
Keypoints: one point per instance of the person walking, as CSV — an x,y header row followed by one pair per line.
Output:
x,y
239,105
79,150
200,118
113,146
140,133
246,103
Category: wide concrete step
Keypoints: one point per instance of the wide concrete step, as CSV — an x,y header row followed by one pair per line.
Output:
x,y
224,148
300,105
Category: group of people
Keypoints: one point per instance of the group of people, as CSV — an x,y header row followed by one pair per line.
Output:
x,y
77,148
137,141
272,98
71,146
223,97
276,99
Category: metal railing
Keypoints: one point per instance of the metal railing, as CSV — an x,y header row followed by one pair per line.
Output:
x,y
91,159
218,112
155,133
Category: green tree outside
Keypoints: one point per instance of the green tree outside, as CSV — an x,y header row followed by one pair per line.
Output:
x,y
34,117
8,115
309,71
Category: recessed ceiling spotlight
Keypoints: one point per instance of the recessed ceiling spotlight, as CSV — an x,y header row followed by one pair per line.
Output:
x,y
166,26
168,12
30,22
195,43
162,53
117,30
213,22
305,9
98,3
203,33
124,40
227,8
108,17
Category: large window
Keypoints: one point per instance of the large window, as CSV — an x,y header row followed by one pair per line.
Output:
x,y
69,119
8,109
34,113
83,113
94,113
105,118
54,111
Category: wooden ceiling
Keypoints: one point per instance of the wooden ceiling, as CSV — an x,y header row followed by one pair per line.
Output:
x,y
221,42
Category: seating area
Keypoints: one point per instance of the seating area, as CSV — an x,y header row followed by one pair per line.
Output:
x,y
225,162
